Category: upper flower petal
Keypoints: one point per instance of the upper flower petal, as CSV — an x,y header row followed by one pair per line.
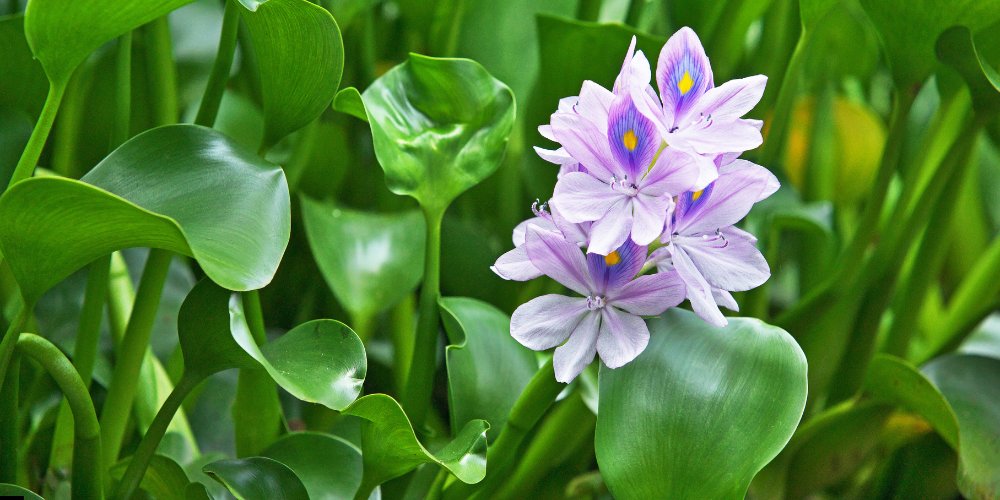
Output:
x,y
650,294
623,337
731,100
673,173
727,201
683,74
726,260
516,265
711,137
547,321
612,271
581,197
649,214
610,231
698,291
632,137
587,143
594,104
558,259
572,357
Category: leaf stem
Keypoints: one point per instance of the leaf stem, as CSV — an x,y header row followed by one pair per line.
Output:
x,y
217,80
162,72
147,448
125,378
9,422
419,383
123,91
86,480
36,143
256,409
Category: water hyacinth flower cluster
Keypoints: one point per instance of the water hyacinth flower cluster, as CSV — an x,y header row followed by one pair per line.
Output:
x,y
643,214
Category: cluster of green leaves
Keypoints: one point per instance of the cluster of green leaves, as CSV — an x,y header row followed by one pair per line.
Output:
x,y
217,134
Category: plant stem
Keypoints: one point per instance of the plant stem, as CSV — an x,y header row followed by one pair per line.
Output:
x,y
634,14
123,91
416,398
36,143
217,80
125,378
257,411
588,10
144,453
9,341
9,426
86,480
162,72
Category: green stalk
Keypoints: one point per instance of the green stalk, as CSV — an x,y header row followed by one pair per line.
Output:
x,y
162,72
588,10
72,114
256,411
147,448
209,107
416,398
36,143
86,480
10,340
634,13
401,324
531,405
363,324
9,426
125,378
123,91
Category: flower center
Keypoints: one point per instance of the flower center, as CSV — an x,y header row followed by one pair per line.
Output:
x,y
697,194
629,140
595,302
624,186
685,83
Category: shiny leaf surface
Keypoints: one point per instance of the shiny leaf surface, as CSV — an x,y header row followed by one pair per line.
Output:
x,y
257,477
328,466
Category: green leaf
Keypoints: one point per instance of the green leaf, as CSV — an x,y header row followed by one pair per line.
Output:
x,y
391,448
257,477
62,34
968,382
909,29
183,188
17,491
300,59
894,381
370,261
329,466
349,101
23,85
439,126
164,479
701,410
956,48
204,326
487,368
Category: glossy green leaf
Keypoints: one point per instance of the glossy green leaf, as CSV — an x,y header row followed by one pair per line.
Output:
x,y
183,188
909,29
439,126
204,326
329,466
164,479
349,101
701,410
487,368
300,58
968,383
62,34
894,381
956,48
257,477
22,81
391,449
369,260
17,491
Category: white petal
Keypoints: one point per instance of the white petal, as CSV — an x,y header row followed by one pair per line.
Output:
x,y
572,357
545,322
623,337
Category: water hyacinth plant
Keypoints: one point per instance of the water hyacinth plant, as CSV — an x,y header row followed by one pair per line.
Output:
x,y
260,249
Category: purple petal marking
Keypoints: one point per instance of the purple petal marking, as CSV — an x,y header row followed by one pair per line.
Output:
x,y
623,337
731,100
558,259
740,186
547,321
683,74
632,137
690,202
726,260
572,357
611,272
582,198
585,141
609,232
650,294
516,265
699,292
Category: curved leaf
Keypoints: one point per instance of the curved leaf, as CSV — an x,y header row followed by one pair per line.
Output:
x,y
329,466
62,34
300,58
957,48
894,381
17,491
370,261
439,126
204,327
391,448
968,382
163,480
701,410
257,477
349,101
183,188
487,368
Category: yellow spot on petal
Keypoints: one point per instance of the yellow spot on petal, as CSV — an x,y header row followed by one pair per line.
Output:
x,y
630,140
685,83
612,258
697,194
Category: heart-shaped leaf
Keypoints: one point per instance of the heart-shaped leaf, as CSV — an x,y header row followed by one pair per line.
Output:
x,y
257,477
328,466
487,368
957,48
391,449
300,57
164,479
701,410
370,261
968,383
62,34
184,188
439,126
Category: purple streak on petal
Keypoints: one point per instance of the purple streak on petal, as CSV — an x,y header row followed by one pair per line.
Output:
x,y
731,198
572,357
649,214
609,232
582,198
547,321
726,260
611,272
585,142
725,299
691,202
516,265
558,259
650,294
623,336
595,101
673,173
683,54
731,100
632,137
699,292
